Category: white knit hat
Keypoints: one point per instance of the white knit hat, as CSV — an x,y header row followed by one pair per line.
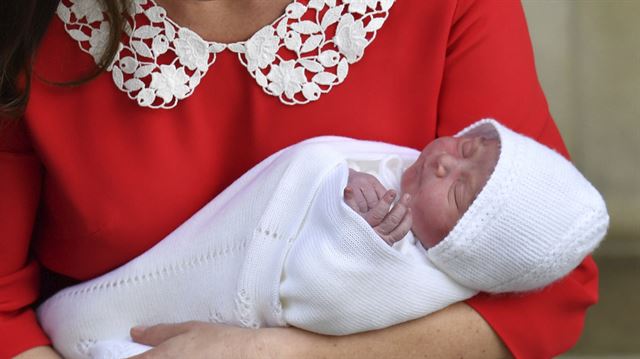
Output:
x,y
533,222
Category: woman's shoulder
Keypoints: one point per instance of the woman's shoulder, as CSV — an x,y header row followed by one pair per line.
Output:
x,y
58,58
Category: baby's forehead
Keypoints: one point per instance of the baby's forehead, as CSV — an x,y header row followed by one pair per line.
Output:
x,y
487,135
492,144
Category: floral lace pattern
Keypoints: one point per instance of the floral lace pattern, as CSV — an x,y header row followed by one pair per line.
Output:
x,y
294,58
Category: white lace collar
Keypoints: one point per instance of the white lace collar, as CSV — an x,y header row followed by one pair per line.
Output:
x,y
292,58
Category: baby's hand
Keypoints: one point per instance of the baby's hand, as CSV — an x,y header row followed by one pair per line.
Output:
x,y
395,224
363,196
363,192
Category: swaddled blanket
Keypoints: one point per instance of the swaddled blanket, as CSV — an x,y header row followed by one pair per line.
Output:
x,y
278,247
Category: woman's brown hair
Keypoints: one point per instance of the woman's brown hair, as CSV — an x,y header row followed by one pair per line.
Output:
x,y
22,25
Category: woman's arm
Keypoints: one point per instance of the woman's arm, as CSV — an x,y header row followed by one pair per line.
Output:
x,y
20,181
39,353
454,332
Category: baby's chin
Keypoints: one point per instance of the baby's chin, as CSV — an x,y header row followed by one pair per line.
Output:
x,y
426,241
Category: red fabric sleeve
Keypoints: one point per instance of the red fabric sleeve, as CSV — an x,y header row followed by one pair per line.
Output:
x,y
20,180
490,72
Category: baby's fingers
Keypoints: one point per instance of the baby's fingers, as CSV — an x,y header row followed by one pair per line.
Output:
x,y
401,230
379,189
375,216
371,197
394,218
350,199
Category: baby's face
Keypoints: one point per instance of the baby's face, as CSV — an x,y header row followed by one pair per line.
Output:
x,y
444,181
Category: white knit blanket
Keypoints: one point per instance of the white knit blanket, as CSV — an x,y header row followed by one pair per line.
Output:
x,y
278,247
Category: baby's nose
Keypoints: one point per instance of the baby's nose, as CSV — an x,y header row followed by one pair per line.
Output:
x,y
444,164
441,171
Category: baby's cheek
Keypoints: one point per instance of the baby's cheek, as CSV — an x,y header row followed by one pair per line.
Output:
x,y
420,227
430,227
406,179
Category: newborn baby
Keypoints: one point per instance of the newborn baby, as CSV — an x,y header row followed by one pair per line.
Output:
x,y
438,188
304,240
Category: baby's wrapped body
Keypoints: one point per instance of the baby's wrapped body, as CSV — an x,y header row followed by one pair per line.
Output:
x,y
280,247
227,263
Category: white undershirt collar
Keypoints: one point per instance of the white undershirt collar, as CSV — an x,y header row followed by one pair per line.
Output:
x,y
161,63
